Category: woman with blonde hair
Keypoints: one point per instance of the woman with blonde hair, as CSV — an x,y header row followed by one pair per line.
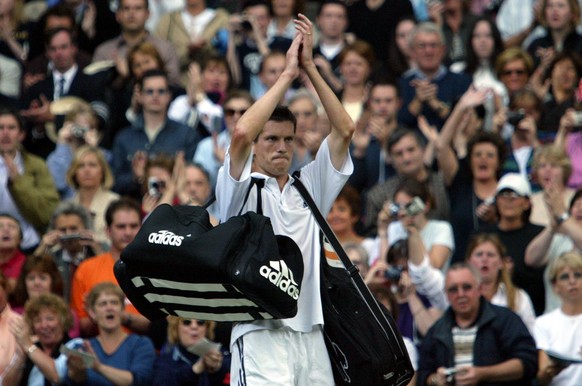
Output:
x,y
179,363
92,179
559,330
552,169
487,254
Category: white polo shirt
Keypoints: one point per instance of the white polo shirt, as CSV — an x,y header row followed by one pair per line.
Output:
x,y
290,216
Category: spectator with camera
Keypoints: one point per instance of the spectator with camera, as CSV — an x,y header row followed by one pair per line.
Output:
x,y
416,312
248,43
519,126
69,240
408,211
163,176
406,149
80,128
475,342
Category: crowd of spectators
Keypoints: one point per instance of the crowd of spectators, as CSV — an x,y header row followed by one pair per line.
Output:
x,y
463,214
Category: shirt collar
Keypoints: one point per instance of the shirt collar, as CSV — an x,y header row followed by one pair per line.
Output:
x,y
441,72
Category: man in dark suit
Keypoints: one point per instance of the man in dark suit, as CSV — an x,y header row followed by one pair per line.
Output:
x,y
66,80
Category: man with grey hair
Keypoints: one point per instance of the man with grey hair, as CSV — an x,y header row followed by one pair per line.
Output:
x,y
69,240
475,342
430,89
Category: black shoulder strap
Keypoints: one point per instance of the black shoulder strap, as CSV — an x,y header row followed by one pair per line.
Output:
x,y
260,184
325,228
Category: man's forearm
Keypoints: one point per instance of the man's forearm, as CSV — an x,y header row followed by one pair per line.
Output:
x,y
510,370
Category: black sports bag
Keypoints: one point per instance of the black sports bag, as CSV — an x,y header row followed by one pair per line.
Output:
x,y
362,339
179,264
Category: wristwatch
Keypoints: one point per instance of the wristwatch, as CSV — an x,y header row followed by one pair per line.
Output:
x,y
563,217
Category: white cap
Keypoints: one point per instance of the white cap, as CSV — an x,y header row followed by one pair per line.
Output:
x,y
514,182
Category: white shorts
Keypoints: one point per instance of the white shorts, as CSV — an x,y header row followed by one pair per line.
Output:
x,y
281,357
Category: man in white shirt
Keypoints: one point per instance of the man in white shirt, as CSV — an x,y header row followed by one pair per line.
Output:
x,y
290,351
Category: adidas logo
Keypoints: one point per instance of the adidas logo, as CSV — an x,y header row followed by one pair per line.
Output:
x,y
165,238
281,276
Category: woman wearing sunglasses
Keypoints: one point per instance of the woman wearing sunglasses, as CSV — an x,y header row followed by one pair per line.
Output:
x,y
117,358
179,362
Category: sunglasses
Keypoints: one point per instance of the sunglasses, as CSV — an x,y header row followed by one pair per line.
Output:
x,y
453,290
152,91
231,112
516,72
188,322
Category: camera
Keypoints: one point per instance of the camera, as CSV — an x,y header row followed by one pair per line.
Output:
x,y
514,117
415,207
78,131
451,371
155,186
394,273
70,237
246,25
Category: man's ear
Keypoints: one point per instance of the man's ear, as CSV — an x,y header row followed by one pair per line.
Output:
x,y
91,313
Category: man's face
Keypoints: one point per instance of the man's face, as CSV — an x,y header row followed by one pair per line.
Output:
x,y
69,224
132,15
261,15
332,21
155,95
463,292
215,77
384,101
197,185
10,134
306,115
9,234
274,148
62,52
428,50
407,156
123,228
272,70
